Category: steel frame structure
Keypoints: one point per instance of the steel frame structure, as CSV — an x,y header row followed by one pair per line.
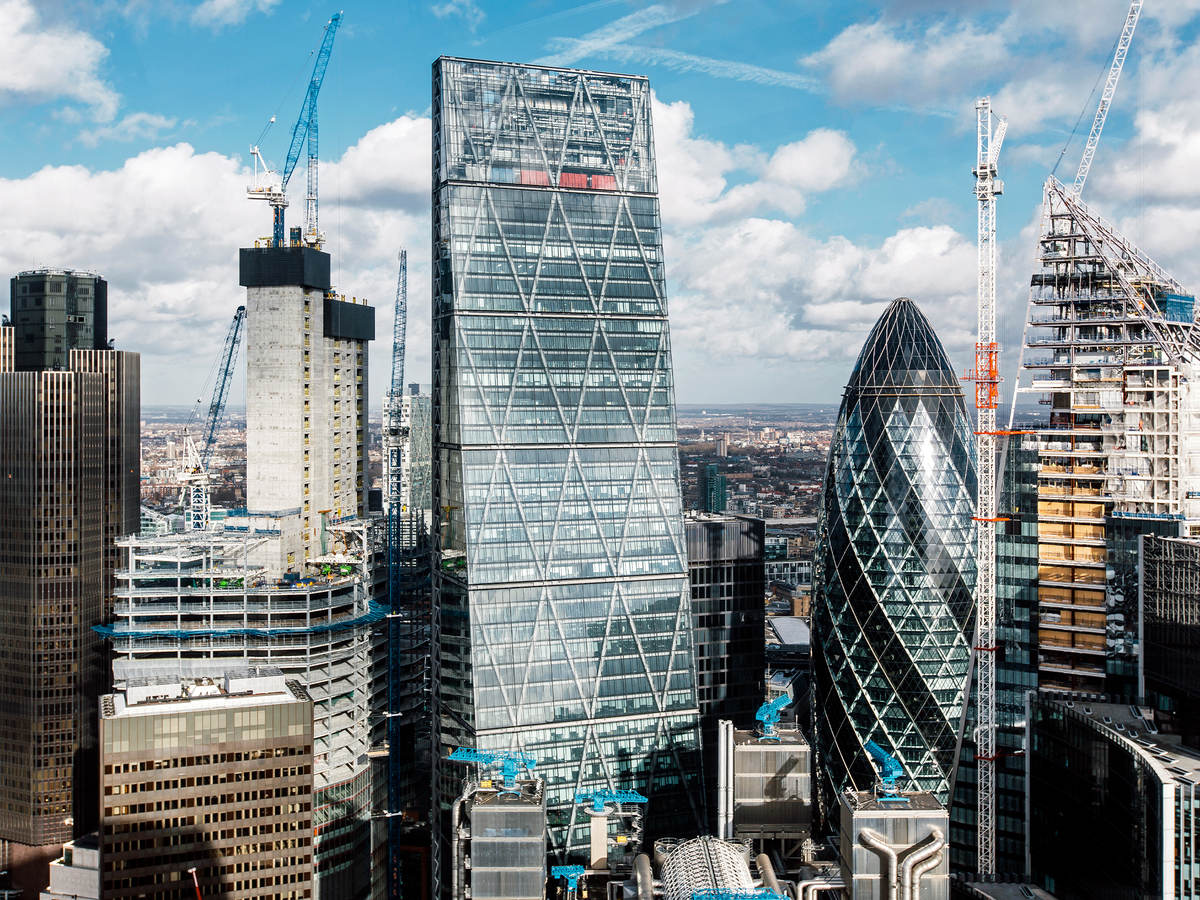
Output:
x,y
989,137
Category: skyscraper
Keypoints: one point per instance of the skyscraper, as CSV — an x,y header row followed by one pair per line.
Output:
x,y
893,585
69,486
713,490
296,581
561,600
1112,348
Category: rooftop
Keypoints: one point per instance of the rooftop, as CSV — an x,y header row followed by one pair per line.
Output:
x,y
239,688
1134,726
791,630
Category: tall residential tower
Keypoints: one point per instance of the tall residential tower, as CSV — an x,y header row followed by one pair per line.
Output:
x,y
562,610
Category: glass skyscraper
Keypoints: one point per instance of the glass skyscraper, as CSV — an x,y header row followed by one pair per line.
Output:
x,y
894,581
562,612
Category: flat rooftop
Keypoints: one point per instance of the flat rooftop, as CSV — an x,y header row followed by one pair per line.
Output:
x,y
910,800
238,689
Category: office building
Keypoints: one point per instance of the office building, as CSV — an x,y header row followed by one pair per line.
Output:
x,y
1170,658
561,596
214,775
69,486
895,575
55,311
1112,802
725,570
714,492
1016,666
1111,348
297,581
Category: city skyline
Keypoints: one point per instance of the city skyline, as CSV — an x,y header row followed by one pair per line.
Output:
x,y
829,186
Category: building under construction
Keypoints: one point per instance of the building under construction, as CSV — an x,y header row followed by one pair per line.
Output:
x,y
1111,347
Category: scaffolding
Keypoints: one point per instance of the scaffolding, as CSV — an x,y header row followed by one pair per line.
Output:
x,y
198,604
1111,348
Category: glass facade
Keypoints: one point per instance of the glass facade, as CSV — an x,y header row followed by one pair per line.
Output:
x,y
1016,667
561,599
895,574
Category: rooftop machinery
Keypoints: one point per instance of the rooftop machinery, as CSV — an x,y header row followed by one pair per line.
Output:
x,y
274,190
989,138
195,472
768,715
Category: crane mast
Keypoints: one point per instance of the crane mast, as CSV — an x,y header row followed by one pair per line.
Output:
x,y
989,137
196,473
1110,88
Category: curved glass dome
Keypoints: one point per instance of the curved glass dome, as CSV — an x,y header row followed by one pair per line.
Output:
x,y
894,581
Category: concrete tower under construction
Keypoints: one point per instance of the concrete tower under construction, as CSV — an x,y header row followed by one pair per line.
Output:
x,y
292,581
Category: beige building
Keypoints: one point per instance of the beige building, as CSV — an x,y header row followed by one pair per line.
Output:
x,y
209,774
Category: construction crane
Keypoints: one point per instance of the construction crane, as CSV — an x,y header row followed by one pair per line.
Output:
x,y
196,474
1110,88
608,795
890,770
274,191
768,715
510,762
572,874
988,186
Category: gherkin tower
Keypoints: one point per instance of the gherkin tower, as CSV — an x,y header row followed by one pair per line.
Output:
x,y
894,579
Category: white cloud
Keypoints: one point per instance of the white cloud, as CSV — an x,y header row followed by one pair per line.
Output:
x,y
720,68
44,63
702,180
219,13
467,10
164,229
134,126
568,51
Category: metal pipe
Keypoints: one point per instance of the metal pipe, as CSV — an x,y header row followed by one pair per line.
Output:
x,y
455,812
806,889
921,868
767,871
877,842
933,848
645,878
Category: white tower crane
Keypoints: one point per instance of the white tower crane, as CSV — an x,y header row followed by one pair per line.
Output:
x,y
989,137
1110,88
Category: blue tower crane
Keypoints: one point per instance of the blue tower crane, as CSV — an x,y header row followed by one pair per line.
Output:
x,y
510,762
768,715
305,128
195,473
889,770
216,406
608,795
571,873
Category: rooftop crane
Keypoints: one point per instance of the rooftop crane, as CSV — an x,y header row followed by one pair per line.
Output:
x,y
598,798
199,456
275,192
889,770
768,715
1110,88
572,874
988,186
510,762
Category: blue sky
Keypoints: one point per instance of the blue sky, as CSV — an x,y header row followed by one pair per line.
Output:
x,y
814,157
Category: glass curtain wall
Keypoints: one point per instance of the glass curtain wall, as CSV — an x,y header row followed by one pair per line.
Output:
x,y
562,607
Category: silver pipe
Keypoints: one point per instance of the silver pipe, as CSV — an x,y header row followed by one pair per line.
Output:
x,y
933,848
806,889
455,813
877,842
920,869
767,871
645,878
